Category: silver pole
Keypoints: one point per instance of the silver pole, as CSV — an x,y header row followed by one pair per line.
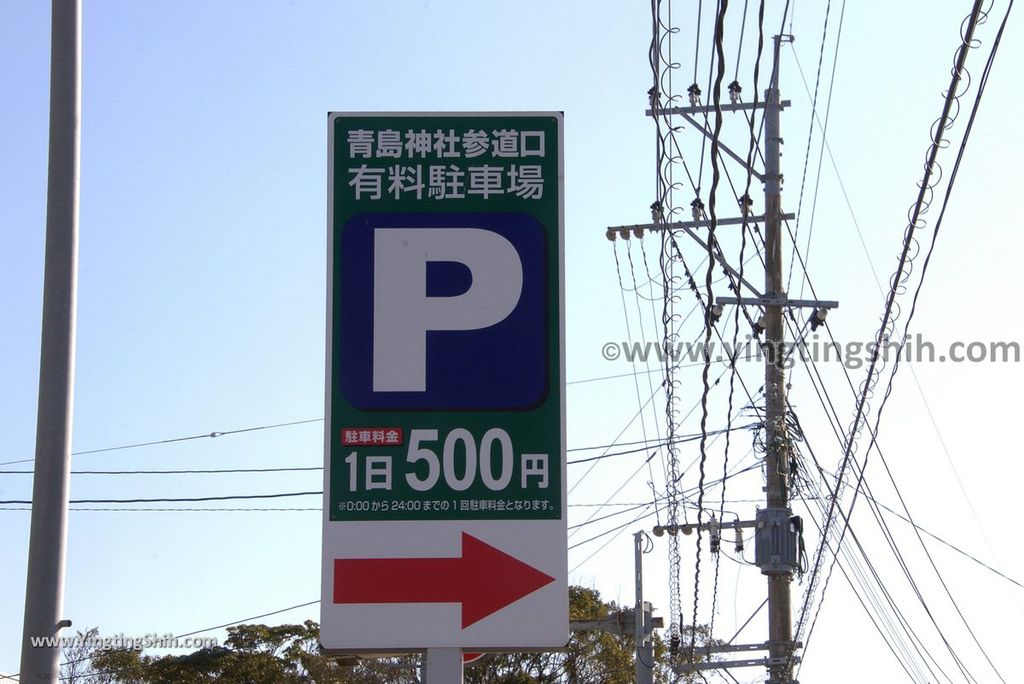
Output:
x,y
444,665
44,595
644,647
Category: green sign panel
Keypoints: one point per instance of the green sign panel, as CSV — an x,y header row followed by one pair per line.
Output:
x,y
445,365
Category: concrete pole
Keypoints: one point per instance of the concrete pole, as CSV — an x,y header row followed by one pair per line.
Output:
x,y
642,618
44,596
780,629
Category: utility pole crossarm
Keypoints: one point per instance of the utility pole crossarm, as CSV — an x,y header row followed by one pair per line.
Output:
x,y
701,109
733,648
687,528
620,623
638,229
780,301
687,227
722,664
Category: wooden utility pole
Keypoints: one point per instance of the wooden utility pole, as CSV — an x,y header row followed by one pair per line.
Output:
x,y
777,450
777,532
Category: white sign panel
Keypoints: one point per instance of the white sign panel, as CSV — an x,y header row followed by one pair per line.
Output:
x,y
444,481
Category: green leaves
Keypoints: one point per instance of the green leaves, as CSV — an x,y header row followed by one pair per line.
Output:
x,y
290,654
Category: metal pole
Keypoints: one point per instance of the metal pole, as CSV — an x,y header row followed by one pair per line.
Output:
x,y
444,665
642,618
44,595
780,630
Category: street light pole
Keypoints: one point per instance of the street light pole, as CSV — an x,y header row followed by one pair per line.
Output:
x,y
44,592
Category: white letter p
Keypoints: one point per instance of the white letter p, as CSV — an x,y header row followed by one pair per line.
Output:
x,y
402,311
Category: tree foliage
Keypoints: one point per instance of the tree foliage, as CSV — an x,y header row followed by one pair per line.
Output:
x,y
289,654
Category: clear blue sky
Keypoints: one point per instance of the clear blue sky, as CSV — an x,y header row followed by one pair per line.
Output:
x,y
202,280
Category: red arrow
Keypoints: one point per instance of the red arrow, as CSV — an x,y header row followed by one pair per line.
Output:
x,y
484,580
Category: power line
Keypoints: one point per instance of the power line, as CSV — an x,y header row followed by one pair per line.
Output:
x,y
966,44
248,619
917,292
942,541
238,497
716,91
840,547
224,433
210,435
617,528
210,471
862,579
812,366
681,440
180,510
886,532
810,126
193,633
612,515
647,442
898,278
636,380
28,502
284,469
809,593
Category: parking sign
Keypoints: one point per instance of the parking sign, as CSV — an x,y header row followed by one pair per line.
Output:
x,y
444,489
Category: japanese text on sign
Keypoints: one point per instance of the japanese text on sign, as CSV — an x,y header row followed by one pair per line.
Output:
x,y
445,473
378,178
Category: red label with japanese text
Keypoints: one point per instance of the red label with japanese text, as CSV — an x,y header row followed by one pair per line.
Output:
x,y
371,436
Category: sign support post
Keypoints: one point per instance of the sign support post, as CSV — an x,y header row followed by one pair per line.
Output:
x,y
444,480
444,666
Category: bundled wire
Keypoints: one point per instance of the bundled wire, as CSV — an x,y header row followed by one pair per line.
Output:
x,y
898,286
716,95
662,210
745,204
